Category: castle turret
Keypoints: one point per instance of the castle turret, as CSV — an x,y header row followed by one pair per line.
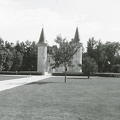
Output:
x,y
42,54
77,58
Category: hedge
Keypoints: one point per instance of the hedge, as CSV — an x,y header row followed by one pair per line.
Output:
x,y
108,74
58,74
68,74
21,72
81,74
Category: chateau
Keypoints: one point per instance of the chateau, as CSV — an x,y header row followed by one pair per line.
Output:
x,y
45,60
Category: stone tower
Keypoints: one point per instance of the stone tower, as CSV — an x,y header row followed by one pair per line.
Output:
x,y
77,58
42,54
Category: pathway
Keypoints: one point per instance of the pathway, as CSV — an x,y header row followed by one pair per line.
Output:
x,y
8,84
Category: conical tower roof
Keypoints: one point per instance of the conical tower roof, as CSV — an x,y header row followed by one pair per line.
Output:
x,y
42,37
76,38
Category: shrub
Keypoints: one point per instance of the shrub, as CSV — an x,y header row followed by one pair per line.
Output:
x,y
89,66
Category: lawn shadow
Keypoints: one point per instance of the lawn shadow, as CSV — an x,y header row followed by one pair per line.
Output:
x,y
41,83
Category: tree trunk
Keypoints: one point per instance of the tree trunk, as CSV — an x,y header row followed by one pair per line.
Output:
x,y
65,73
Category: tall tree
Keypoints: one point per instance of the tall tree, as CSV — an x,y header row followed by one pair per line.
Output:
x,y
63,54
17,60
8,60
2,54
100,55
91,46
30,56
9,55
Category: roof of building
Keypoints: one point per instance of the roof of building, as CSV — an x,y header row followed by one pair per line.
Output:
x,y
76,37
42,37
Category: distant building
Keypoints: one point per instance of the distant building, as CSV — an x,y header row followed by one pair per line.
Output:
x,y
45,60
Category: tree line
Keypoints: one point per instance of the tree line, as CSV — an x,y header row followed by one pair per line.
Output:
x,y
22,56
19,57
106,55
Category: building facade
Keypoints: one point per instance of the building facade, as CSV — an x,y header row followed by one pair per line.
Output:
x,y
45,60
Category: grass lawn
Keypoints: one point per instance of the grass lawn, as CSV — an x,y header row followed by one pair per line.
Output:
x,y
52,99
9,77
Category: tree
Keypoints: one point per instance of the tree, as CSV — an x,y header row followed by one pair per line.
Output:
x,y
106,55
112,50
89,66
63,53
100,55
30,57
91,46
8,60
17,61
2,54
33,56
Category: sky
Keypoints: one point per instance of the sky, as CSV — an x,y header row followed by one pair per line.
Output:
x,y
23,20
